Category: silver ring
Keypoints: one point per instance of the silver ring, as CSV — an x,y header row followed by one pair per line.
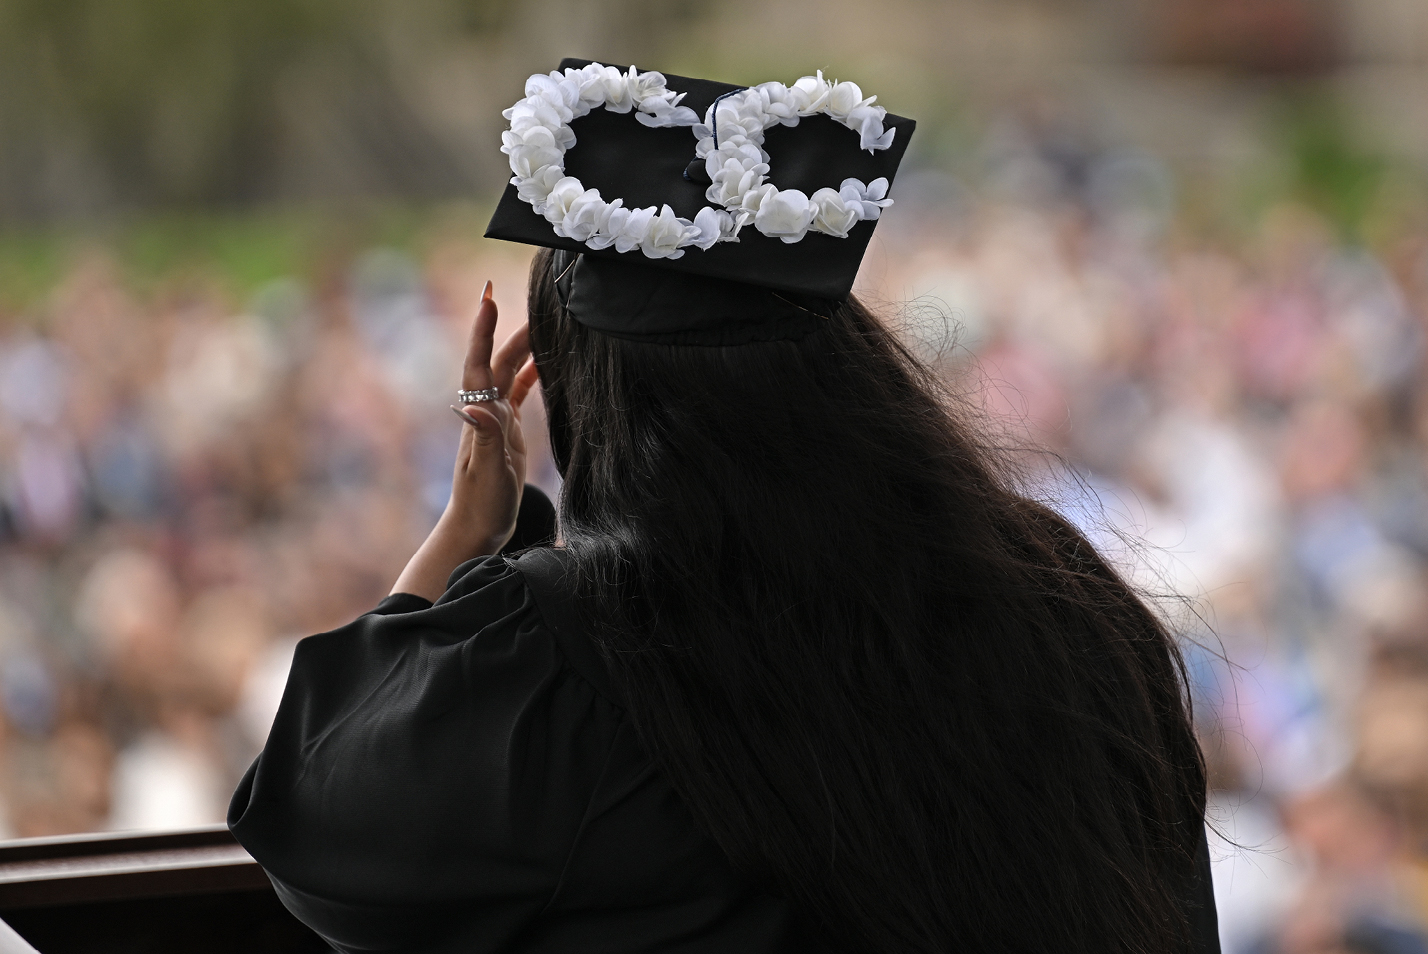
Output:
x,y
480,396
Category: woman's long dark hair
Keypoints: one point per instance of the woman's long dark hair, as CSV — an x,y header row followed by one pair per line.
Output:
x,y
915,703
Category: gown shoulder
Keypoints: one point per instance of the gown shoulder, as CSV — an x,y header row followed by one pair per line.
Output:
x,y
425,756
459,776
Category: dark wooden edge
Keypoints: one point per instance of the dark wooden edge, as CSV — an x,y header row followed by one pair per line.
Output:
x,y
112,842
72,869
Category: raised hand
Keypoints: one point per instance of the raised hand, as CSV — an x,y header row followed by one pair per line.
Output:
x,y
490,461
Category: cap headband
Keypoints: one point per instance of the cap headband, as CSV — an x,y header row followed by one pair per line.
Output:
x,y
666,307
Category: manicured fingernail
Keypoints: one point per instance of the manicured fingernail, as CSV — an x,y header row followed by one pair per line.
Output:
x,y
466,417
486,292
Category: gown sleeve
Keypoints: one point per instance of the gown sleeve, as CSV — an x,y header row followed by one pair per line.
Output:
x,y
428,771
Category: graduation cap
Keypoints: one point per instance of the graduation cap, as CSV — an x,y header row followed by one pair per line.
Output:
x,y
689,210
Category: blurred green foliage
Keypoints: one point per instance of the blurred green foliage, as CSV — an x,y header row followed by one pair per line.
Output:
x,y
239,250
1313,156
110,106
247,141
185,102
31,263
175,95
1330,169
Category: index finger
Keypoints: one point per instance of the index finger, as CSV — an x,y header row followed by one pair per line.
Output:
x,y
476,373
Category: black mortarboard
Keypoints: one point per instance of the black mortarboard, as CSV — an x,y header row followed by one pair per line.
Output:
x,y
690,297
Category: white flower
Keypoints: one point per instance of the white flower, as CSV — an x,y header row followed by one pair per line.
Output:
x,y
737,166
557,90
632,231
657,112
868,120
643,86
784,215
810,94
714,225
584,216
536,188
869,199
732,181
538,84
530,114
832,215
843,98
736,147
755,198
533,151
667,232
740,114
779,104
611,226
847,105
592,80
562,196
733,169
614,86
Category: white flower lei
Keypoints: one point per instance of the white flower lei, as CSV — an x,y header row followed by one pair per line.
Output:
x,y
737,164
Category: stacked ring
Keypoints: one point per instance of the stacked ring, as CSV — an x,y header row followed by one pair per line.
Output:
x,y
479,396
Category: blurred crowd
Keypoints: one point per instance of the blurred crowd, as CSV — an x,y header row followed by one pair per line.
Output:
x,y
187,489
189,486
1242,424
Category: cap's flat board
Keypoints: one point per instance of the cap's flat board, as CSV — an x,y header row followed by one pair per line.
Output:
x,y
626,159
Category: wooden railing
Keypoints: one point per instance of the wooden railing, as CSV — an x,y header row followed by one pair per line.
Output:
x,y
184,891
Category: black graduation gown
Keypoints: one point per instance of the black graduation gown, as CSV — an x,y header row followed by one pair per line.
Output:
x,y
460,777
